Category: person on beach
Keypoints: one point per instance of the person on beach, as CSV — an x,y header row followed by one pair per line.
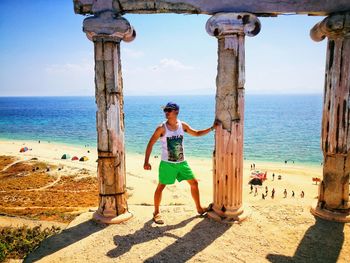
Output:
x,y
302,194
273,193
173,165
251,188
285,193
293,194
273,177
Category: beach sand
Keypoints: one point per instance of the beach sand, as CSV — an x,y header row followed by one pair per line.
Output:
x,y
278,229
294,176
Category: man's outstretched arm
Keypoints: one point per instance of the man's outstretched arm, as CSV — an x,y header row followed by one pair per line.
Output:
x,y
157,133
187,128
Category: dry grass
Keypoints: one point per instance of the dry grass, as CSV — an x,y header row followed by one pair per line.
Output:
x,y
60,202
24,182
25,168
6,160
48,198
62,215
16,243
69,183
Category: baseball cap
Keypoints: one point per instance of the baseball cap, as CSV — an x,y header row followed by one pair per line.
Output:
x,y
171,105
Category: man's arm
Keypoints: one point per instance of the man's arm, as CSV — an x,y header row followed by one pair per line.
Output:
x,y
187,128
157,133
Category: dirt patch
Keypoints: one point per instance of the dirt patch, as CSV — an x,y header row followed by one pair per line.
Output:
x,y
71,183
48,198
25,182
24,168
62,215
6,160
29,189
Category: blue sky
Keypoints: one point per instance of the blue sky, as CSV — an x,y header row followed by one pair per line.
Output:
x,y
43,52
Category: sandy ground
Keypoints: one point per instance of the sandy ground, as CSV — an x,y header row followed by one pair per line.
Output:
x,y
272,234
277,230
142,183
20,222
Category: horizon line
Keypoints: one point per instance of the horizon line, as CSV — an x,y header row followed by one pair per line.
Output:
x,y
164,95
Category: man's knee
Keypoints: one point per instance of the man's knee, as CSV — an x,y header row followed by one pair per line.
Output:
x,y
160,187
193,182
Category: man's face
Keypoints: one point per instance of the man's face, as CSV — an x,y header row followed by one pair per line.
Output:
x,y
170,113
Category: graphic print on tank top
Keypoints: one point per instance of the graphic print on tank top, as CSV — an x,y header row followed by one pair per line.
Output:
x,y
175,149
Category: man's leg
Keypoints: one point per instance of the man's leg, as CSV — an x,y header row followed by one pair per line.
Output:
x,y
158,197
195,195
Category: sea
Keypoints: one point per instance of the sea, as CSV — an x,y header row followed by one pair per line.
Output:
x,y
278,128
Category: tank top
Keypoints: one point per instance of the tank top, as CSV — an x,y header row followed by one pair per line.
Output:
x,y
173,144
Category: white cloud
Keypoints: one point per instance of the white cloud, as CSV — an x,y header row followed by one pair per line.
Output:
x,y
171,64
164,66
85,67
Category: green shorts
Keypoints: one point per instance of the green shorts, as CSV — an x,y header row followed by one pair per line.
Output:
x,y
168,172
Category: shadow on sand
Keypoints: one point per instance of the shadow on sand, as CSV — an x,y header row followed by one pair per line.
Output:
x,y
322,242
64,239
184,248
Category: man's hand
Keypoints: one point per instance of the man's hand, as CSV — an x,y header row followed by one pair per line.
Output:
x,y
147,166
215,124
156,135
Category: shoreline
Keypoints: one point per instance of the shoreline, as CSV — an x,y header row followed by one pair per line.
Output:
x,y
92,147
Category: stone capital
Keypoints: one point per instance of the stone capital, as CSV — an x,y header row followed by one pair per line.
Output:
x,y
109,25
333,26
229,25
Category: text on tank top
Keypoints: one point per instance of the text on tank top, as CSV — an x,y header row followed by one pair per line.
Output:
x,y
173,144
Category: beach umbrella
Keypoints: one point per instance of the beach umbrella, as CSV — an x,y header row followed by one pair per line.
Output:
x,y
65,156
75,158
23,149
255,181
83,159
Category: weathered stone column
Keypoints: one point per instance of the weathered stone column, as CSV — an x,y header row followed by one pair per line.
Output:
x,y
333,197
230,30
106,30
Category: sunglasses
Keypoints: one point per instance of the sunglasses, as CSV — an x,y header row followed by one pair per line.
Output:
x,y
168,110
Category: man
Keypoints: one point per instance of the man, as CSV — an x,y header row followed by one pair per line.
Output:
x,y
173,165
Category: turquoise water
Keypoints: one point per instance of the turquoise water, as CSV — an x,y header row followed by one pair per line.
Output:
x,y
277,127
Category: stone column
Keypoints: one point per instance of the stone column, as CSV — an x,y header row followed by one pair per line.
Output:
x,y
106,30
333,197
230,30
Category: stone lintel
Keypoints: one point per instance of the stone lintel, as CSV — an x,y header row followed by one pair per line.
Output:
x,y
259,7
